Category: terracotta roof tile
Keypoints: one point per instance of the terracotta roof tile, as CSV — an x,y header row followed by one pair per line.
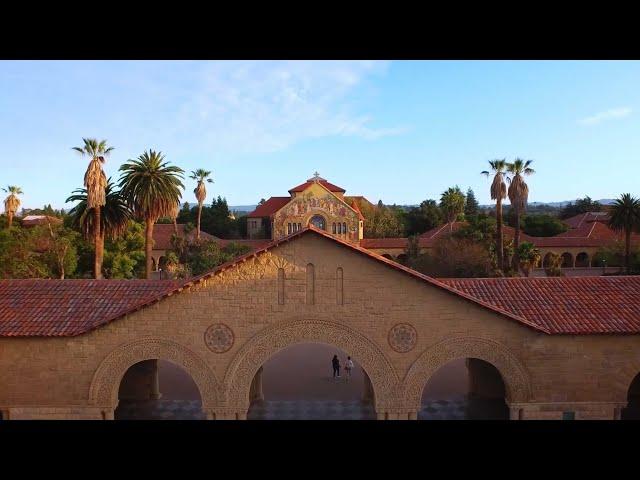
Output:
x,y
329,186
269,207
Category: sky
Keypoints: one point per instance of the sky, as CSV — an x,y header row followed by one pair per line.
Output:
x,y
396,131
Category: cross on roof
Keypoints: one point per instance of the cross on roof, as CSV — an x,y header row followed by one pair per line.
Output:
x,y
316,175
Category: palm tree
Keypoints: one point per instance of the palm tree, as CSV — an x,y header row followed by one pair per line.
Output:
x,y
151,187
95,182
518,195
173,215
452,203
114,218
528,257
624,215
498,193
201,192
12,202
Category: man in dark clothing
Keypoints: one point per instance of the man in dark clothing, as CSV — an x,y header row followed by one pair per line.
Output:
x,y
336,366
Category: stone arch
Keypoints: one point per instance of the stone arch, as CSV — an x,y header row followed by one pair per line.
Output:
x,y
582,259
567,260
103,391
546,262
271,340
514,375
387,256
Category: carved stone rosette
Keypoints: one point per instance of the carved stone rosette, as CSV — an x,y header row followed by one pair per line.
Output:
x,y
219,338
403,337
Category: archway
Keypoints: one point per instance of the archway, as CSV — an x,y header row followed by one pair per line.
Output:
x,y
158,390
547,260
318,221
632,410
465,389
567,260
299,383
264,345
387,256
514,377
582,259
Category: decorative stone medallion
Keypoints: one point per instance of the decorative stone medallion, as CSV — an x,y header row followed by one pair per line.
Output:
x,y
403,337
218,338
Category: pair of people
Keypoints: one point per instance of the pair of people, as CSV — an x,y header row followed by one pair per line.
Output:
x,y
336,366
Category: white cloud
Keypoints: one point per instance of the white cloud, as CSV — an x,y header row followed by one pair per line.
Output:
x,y
606,115
269,106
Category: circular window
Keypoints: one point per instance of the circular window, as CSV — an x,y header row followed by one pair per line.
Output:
x,y
318,222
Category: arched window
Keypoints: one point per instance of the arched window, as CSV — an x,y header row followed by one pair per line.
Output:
x,y
318,221
288,228
344,228
333,228
299,226
339,228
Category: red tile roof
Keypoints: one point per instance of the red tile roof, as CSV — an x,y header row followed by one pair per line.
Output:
x,y
329,186
66,308
574,305
32,220
384,242
578,220
563,305
162,233
268,208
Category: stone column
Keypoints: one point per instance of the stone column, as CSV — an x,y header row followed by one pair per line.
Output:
x,y
255,392
155,380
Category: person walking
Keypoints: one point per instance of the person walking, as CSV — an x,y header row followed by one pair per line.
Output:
x,y
348,367
336,366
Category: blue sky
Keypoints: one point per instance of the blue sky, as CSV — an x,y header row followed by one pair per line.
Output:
x,y
400,131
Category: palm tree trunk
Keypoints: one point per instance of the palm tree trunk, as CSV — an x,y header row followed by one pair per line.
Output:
x,y
499,240
148,247
10,215
175,226
99,246
199,214
627,250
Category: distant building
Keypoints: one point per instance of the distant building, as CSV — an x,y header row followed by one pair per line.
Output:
x,y
35,220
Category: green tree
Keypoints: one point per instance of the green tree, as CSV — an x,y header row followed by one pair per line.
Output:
x,y
553,266
200,191
471,205
423,218
124,255
12,202
18,255
543,225
518,195
151,187
528,257
95,183
60,253
581,205
624,216
452,204
498,193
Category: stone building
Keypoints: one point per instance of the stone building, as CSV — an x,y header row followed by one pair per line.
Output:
x,y
551,348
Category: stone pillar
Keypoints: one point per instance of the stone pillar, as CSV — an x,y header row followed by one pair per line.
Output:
x,y
255,391
155,380
368,394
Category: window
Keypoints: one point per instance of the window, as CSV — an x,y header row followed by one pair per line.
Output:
x,y
299,226
288,228
333,228
339,228
318,221
295,227
344,228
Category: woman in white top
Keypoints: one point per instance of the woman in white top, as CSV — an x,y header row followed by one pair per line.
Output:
x,y
348,366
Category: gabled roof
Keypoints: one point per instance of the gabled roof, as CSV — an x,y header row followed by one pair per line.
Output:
x,y
162,233
329,186
578,220
31,220
268,208
563,305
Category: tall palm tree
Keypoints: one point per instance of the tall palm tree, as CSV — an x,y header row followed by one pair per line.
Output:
x,y
95,181
152,188
452,203
12,202
201,192
498,193
624,215
173,215
518,196
113,220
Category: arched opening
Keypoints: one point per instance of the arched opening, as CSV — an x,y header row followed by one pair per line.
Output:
x,y
158,390
546,262
465,389
318,221
402,258
299,383
387,256
632,410
567,260
582,259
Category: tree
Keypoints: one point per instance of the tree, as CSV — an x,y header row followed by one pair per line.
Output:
x,y
528,257
455,257
200,191
542,225
61,254
581,205
498,193
624,216
12,202
553,267
471,204
114,217
413,250
518,195
173,215
452,204
151,187
18,256
124,255
423,218
95,182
